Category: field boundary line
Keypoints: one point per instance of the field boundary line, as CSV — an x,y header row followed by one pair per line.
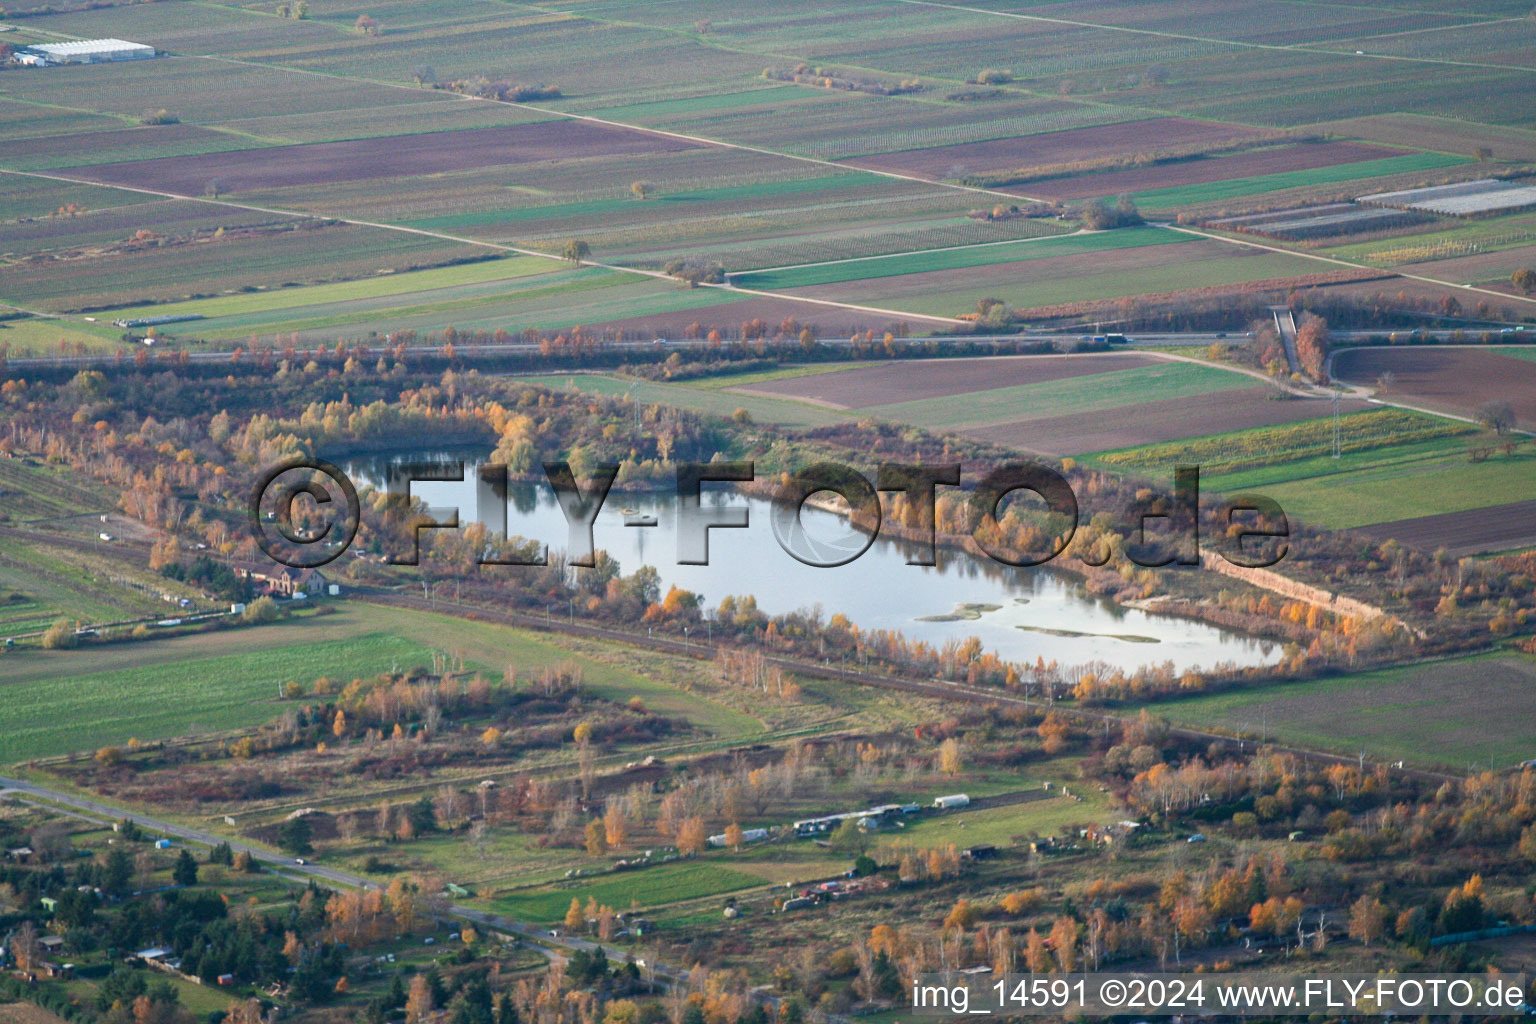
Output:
x,y
500,246
1243,44
663,132
1390,271
908,252
855,168
1439,28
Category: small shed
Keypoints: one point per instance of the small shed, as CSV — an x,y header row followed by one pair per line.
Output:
x,y
951,802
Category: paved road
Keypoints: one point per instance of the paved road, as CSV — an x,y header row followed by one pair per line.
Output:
x,y
470,351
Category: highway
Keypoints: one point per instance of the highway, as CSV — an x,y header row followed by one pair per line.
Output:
x,y
470,351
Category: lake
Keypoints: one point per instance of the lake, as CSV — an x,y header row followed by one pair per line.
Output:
x,y
1019,613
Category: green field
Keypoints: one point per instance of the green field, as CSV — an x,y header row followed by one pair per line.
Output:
x,y
293,301
68,710
955,259
1427,483
43,335
648,887
1459,714
1265,449
62,701
1056,398
1233,188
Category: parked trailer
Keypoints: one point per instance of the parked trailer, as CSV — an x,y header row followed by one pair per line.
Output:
x,y
951,802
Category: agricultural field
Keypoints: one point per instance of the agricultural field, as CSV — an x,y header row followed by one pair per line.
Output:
x,y
954,259
1442,134
711,401
1459,714
859,387
1049,148
1240,404
1400,474
1059,405
146,689
1444,240
1451,380
1393,484
1266,447
746,162
1472,532
1293,159
375,227
1150,261
668,883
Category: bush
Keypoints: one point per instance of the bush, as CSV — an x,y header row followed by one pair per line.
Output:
x,y
263,609
1098,215
60,636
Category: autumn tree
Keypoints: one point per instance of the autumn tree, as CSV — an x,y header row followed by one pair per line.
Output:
x,y
615,824
24,947
961,916
691,836
734,837
1524,279
1064,936
367,25
1312,344
419,1004
642,189
596,842
574,918
576,251
950,757
1367,920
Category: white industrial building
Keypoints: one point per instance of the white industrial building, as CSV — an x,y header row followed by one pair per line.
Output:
x,y
91,51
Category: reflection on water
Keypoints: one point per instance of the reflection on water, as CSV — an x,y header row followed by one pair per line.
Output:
x,y
1022,614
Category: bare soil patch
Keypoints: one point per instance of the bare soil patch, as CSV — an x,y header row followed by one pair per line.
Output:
x,y
1491,267
1418,131
1128,137
912,381
1475,531
1454,380
1149,422
388,157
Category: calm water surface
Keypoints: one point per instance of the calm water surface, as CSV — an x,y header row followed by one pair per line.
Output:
x,y
1021,614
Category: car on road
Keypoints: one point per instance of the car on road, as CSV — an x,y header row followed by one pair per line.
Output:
x,y
300,861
